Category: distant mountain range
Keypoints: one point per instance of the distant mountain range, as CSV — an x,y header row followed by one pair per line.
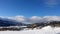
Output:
x,y
50,23
9,22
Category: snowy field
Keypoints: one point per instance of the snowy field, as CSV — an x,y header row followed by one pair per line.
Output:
x,y
45,30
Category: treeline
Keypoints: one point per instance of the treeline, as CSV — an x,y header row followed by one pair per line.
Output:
x,y
11,28
41,25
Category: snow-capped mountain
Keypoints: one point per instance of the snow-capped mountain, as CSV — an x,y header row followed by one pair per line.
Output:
x,y
10,22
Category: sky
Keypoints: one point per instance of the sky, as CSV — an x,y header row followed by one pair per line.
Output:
x,y
30,8
30,11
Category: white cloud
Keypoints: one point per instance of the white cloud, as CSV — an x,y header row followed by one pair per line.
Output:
x,y
37,19
51,3
34,19
20,18
52,18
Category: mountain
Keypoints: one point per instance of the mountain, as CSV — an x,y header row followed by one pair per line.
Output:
x,y
50,23
9,22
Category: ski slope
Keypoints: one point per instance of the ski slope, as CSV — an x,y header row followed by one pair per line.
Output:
x,y
45,30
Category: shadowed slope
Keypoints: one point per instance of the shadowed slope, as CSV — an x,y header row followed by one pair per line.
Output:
x,y
8,22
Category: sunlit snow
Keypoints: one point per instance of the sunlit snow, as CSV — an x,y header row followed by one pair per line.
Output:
x,y
45,30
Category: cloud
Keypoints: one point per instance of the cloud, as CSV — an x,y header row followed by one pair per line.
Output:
x,y
33,19
36,19
20,18
52,18
51,2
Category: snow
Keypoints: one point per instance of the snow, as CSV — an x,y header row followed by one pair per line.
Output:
x,y
45,30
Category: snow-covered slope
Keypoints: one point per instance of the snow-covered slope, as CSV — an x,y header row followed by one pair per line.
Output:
x,y
45,30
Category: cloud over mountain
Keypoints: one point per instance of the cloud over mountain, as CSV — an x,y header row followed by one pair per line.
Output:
x,y
52,18
34,19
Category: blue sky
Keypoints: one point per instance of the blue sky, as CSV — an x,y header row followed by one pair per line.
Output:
x,y
29,7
